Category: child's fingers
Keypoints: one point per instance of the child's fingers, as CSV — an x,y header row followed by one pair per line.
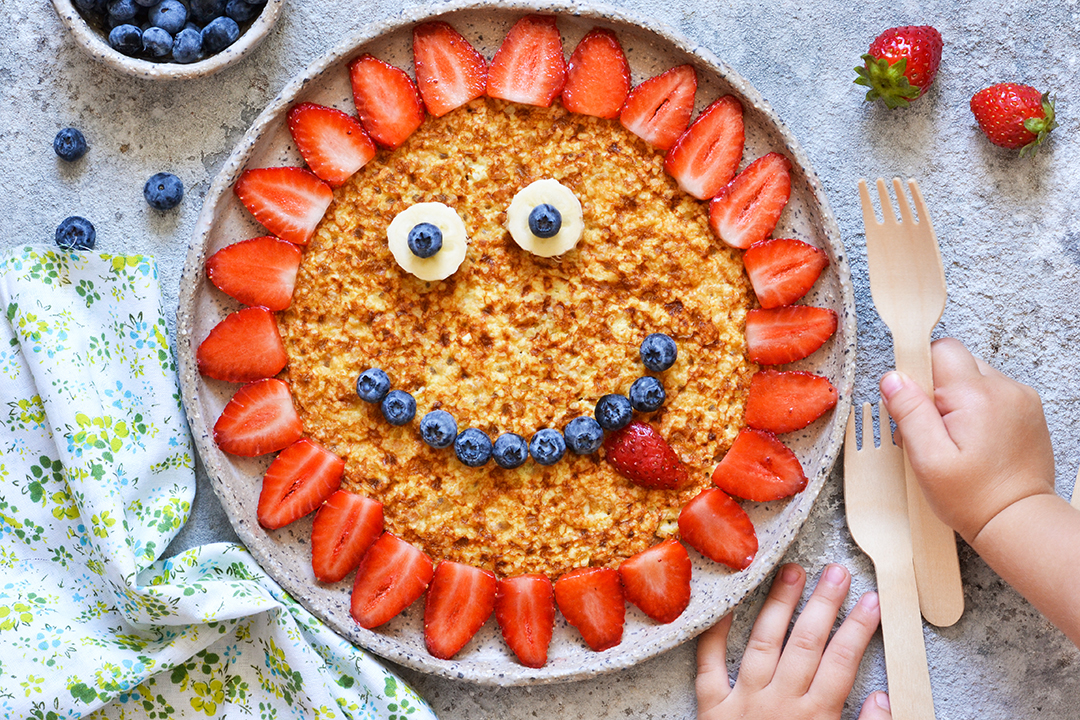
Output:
x,y
767,636
952,362
712,684
802,653
840,663
876,707
925,437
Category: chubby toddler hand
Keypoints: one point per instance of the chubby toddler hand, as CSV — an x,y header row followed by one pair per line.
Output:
x,y
810,676
981,445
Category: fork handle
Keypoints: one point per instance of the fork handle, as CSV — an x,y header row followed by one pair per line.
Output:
x,y
933,543
910,694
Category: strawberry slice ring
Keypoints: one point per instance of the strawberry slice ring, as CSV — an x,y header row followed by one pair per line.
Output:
x,y
225,220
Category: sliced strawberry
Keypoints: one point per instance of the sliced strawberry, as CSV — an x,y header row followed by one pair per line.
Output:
x,y
245,346
343,529
718,528
597,77
706,157
459,601
301,477
386,99
746,209
591,599
658,580
259,419
260,271
334,144
783,402
641,455
525,610
288,201
759,467
529,67
659,109
392,576
786,334
449,71
782,270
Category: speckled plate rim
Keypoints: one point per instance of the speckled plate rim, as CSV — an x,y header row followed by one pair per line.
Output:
x,y
96,46
704,612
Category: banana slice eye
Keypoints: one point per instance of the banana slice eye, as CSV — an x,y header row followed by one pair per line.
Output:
x,y
545,218
428,240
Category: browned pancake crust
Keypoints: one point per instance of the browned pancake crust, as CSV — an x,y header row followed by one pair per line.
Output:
x,y
513,342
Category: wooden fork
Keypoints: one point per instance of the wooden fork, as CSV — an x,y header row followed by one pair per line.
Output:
x,y
875,501
907,282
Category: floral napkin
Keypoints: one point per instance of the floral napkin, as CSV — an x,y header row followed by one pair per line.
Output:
x,y
96,478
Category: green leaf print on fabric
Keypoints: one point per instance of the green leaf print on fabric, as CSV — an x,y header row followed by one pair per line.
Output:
x,y
96,479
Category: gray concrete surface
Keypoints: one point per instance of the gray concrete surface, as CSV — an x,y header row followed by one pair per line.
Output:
x,y
1009,230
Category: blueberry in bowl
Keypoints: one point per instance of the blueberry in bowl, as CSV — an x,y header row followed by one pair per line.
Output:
x,y
168,39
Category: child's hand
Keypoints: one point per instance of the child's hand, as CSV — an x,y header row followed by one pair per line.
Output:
x,y
810,677
982,448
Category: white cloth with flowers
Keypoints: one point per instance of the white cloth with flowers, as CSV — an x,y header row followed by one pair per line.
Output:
x,y
96,478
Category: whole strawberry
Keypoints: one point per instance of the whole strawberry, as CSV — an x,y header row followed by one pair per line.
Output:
x,y
1014,116
641,455
901,64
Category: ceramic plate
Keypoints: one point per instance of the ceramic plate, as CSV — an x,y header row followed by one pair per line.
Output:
x,y
285,554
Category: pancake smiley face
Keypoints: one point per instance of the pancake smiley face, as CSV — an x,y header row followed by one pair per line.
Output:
x,y
506,333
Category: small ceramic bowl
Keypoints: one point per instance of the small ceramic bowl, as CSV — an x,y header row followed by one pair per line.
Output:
x,y
96,44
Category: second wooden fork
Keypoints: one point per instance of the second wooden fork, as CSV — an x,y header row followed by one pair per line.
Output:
x,y
876,507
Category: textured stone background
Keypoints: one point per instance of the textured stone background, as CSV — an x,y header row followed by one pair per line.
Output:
x,y
1008,228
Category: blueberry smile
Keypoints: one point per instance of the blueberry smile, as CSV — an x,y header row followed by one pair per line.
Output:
x,y
582,436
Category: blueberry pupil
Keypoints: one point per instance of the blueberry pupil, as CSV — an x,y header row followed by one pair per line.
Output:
x,y
545,221
425,240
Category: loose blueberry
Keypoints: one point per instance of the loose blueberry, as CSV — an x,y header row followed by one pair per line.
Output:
x,y
647,394
510,451
473,447
241,11
163,191
187,47
373,385
614,412
219,34
204,11
69,144
438,429
169,15
425,240
156,42
584,435
547,446
398,407
545,221
658,352
76,233
126,39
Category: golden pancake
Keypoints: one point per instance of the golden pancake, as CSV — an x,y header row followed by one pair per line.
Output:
x,y
513,342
